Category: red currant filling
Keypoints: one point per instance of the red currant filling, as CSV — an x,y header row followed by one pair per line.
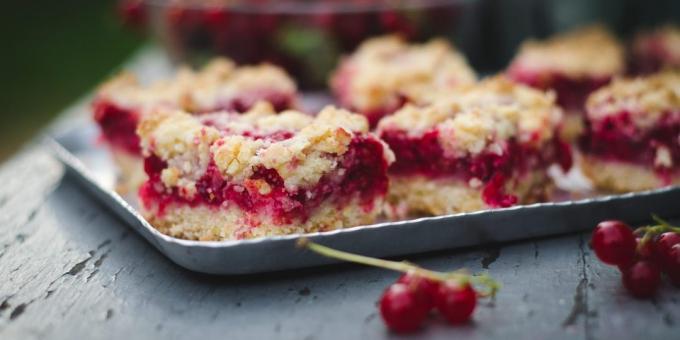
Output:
x,y
424,156
653,56
118,126
280,101
571,93
361,174
374,115
617,138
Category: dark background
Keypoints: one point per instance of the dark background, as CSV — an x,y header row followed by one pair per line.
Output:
x,y
53,52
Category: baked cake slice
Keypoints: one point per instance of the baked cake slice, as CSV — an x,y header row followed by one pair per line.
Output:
x,y
386,72
120,103
223,176
572,64
632,140
488,145
656,50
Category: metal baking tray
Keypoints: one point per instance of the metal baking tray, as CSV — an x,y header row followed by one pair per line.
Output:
x,y
89,163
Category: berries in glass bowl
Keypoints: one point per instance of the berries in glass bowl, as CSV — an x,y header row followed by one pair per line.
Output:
x,y
305,37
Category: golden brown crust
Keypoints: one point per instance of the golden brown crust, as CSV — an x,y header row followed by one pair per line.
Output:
x,y
196,91
244,79
417,195
590,51
228,223
478,116
620,177
386,67
261,118
647,99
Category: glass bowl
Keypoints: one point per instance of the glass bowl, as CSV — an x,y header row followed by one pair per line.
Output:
x,y
306,37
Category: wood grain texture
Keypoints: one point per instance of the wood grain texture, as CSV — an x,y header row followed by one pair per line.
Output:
x,y
69,269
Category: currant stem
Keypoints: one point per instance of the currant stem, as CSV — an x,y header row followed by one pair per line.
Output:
x,y
652,230
645,239
492,285
461,276
649,232
403,266
665,224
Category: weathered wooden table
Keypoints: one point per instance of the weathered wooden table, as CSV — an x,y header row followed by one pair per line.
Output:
x,y
69,269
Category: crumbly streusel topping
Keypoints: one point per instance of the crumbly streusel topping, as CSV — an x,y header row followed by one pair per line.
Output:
x,y
646,99
188,145
478,117
385,67
666,37
252,80
196,91
183,142
261,119
591,51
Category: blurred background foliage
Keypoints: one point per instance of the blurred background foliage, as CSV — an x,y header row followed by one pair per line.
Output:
x,y
54,52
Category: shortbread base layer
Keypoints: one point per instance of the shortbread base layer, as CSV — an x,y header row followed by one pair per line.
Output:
x,y
131,173
228,223
622,177
420,195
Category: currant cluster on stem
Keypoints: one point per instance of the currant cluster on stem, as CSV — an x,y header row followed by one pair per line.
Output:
x,y
641,255
406,304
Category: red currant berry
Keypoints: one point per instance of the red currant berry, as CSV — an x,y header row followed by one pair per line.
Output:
x,y
426,289
456,301
401,308
614,243
664,243
646,251
672,268
642,279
